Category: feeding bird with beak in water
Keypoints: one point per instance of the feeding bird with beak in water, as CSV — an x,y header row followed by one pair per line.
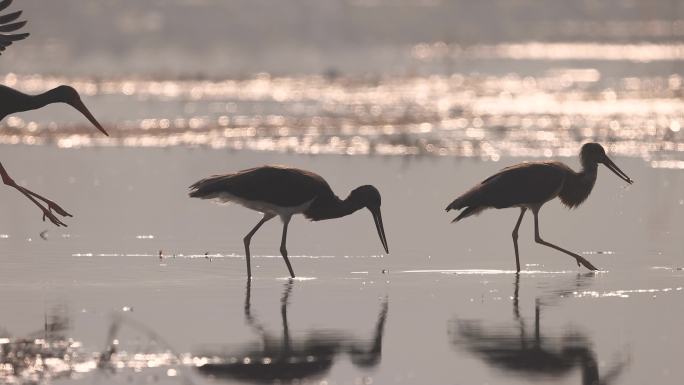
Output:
x,y
530,185
286,191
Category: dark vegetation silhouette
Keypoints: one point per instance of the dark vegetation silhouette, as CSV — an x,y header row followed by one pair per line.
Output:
x,y
286,357
530,185
529,352
286,191
13,101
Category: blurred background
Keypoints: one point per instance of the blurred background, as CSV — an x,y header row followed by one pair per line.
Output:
x,y
412,77
239,38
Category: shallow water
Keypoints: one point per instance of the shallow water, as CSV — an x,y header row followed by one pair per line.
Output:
x,y
100,306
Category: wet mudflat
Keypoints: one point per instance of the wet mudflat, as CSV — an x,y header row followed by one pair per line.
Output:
x,y
95,303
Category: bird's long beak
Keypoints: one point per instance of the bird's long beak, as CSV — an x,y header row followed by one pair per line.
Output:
x,y
614,168
377,217
78,104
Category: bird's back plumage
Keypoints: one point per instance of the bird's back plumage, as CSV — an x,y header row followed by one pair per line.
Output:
x,y
518,185
275,185
11,101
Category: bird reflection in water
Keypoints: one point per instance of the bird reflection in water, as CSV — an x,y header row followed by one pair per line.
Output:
x,y
532,354
287,357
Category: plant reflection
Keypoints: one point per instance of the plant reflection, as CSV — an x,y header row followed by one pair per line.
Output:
x,y
288,357
529,352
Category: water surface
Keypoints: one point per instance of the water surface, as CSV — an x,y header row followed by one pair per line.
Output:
x,y
99,305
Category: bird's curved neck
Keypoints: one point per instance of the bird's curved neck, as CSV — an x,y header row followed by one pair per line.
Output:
x,y
42,100
13,101
578,185
334,208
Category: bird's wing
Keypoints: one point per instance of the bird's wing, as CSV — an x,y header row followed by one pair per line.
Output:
x,y
520,184
282,186
8,26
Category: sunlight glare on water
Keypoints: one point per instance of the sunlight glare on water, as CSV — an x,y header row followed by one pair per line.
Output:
x,y
481,116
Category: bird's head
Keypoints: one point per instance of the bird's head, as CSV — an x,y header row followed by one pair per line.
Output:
x,y
70,96
369,197
593,153
67,94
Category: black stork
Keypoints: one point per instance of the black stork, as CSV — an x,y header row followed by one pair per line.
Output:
x,y
530,185
12,101
286,191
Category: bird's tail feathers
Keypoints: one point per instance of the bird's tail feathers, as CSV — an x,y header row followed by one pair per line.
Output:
x,y
469,211
457,204
207,187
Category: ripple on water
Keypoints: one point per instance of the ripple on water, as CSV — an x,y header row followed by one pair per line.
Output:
x,y
625,293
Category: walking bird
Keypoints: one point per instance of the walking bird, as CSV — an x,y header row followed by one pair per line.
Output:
x,y
286,191
12,101
530,185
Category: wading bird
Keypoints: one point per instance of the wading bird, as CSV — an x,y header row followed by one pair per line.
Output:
x,y
530,185
286,191
12,101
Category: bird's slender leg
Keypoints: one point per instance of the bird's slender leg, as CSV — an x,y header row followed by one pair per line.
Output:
x,y
515,238
47,211
283,248
538,239
248,238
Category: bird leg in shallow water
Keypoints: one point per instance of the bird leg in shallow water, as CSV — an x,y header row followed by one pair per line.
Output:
x,y
515,238
47,211
283,248
538,239
248,238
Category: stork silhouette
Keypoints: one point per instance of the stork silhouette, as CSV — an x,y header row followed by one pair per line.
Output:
x,y
531,185
13,101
